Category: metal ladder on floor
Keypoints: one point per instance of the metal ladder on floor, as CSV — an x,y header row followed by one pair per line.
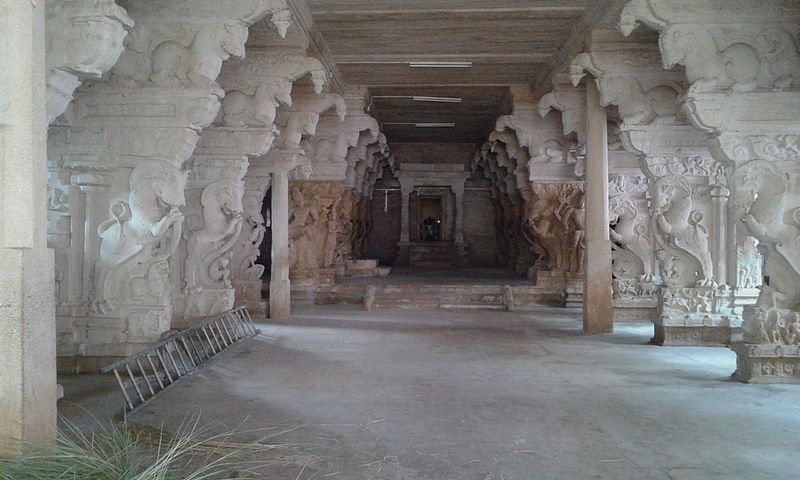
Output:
x,y
147,374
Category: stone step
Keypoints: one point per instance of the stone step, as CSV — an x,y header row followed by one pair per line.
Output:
x,y
437,296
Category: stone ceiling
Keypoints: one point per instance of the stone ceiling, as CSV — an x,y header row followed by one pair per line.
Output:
x,y
508,42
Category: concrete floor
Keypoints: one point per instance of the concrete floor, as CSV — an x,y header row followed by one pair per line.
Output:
x,y
487,396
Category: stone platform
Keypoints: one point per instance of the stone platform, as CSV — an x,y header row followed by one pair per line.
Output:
x,y
433,255
465,289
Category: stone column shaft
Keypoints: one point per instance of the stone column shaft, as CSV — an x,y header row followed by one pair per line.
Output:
x,y
719,204
279,285
405,193
598,309
27,317
459,194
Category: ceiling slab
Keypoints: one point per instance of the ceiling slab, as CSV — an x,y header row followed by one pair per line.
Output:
x,y
508,42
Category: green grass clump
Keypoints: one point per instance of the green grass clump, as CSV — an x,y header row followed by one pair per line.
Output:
x,y
123,452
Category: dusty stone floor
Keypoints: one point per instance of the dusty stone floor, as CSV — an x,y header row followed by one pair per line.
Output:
x,y
484,395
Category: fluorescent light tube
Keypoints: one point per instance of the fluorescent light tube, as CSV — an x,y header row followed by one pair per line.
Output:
x,y
436,99
440,64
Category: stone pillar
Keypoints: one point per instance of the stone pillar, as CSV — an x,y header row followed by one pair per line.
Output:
x,y
458,190
254,87
280,291
719,231
405,192
598,309
692,308
406,189
246,273
27,317
742,65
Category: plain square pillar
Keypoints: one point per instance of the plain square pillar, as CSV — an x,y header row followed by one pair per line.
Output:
x,y
28,391
280,291
598,307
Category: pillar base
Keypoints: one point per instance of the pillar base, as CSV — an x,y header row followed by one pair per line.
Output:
x,y
598,307
698,316
248,294
402,254
636,309
280,299
28,390
706,330
767,363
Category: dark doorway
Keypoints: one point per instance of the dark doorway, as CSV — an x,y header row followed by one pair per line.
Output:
x,y
266,246
431,215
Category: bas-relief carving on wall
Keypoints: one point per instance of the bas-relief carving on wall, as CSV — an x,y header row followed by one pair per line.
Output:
x,y
767,202
555,220
328,225
631,237
209,239
131,275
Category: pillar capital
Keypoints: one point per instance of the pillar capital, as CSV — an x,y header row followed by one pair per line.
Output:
x,y
746,47
301,118
85,39
257,85
183,45
543,137
570,100
630,76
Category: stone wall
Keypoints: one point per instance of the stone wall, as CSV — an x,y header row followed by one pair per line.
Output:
x,y
480,232
385,233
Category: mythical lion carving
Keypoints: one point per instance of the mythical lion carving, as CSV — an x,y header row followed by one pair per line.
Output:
x,y
771,211
200,61
136,230
631,240
770,60
240,109
685,257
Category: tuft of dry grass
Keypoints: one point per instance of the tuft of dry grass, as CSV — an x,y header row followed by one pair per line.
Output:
x,y
123,451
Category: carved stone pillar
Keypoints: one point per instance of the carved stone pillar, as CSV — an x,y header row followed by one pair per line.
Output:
x,y
140,128
554,182
744,69
244,127
598,310
296,123
246,273
28,379
693,309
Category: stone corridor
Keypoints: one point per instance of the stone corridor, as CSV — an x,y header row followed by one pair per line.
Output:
x,y
410,395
